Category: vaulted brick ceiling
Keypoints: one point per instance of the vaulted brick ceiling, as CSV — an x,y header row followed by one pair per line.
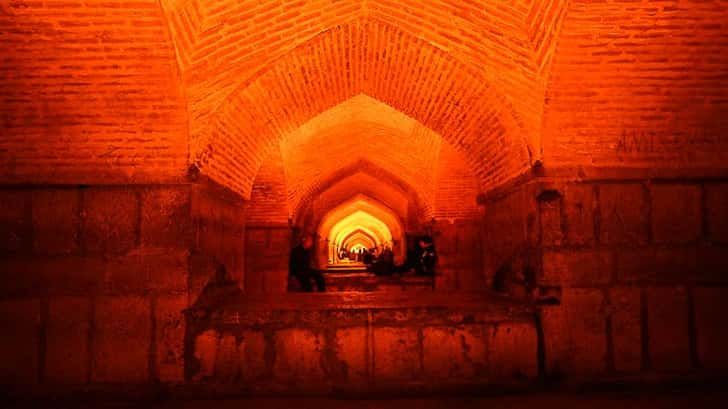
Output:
x,y
98,92
357,129
359,184
255,71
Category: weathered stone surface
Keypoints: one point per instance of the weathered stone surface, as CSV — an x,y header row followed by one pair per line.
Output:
x,y
252,356
623,214
266,250
206,216
674,265
110,220
19,339
577,267
298,356
227,365
233,248
575,334
513,351
122,339
15,224
711,305
170,333
551,231
19,276
143,270
64,275
578,207
626,328
396,354
205,353
165,218
56,221
716,197
676,214
454,354
667,322
67,334
351,350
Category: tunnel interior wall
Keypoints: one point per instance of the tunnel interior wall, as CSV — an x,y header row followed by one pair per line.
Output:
x,y
218,224
366,348
637,262
266,258
509,232
641,266
459,246
94,280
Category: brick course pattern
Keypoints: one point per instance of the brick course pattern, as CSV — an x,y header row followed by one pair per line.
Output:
x,y
89,94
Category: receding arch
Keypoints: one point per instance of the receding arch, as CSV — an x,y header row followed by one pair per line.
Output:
x,y
388,224
362,166
361,214
360,202
358,237
361,127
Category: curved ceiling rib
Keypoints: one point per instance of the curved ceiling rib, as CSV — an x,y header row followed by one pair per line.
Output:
x,y
461,105
360,128
253,71
359,220
366,211
386,187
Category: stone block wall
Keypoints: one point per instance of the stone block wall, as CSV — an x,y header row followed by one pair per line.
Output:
x,y
459,248
218,228
641,268
365,349
637,263
93,282
266,258
94,279
510,236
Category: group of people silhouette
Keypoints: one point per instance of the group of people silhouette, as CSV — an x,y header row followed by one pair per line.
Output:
x,y
421,259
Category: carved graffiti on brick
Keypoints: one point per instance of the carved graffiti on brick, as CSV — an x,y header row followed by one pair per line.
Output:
x,y
634,141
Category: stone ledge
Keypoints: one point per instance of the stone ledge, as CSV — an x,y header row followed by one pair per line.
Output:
x,y
357,300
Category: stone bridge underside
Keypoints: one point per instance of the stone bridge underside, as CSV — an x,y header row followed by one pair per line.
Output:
x,y
567,157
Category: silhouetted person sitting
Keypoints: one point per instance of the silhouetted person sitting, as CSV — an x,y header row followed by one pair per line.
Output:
x,y
368,257
299,266
426,257
216,292
385,263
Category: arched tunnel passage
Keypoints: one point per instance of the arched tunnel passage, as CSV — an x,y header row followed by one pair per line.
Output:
x,y
359,218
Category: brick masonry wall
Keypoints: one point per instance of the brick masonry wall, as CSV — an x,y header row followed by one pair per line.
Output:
x,y
361,128
456,188
268,199
267,232
486,132
367,179
89,94
93,281
637,84
221,50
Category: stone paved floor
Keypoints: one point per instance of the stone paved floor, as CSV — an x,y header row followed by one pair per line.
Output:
x,y
664,400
